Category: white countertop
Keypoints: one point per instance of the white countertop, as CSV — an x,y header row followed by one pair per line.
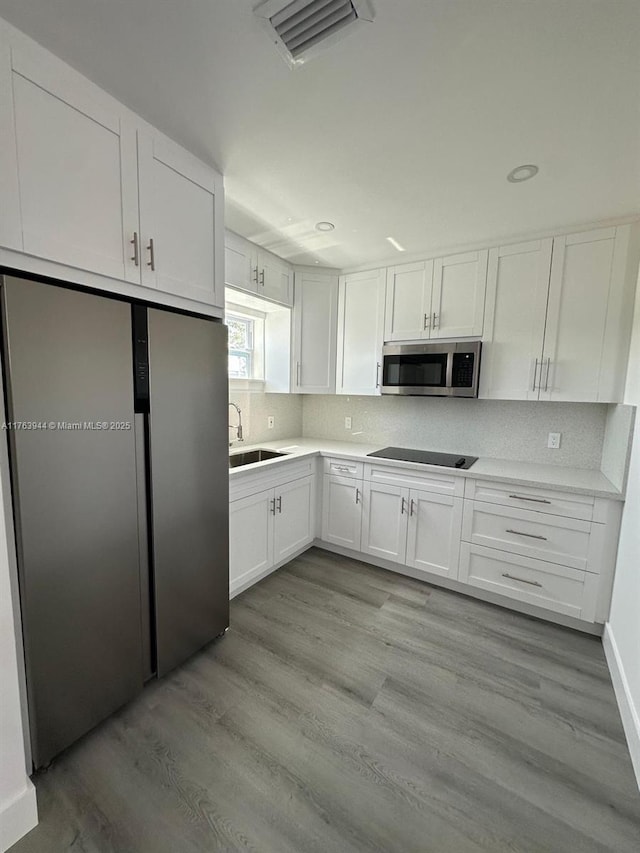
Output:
x,y
577,480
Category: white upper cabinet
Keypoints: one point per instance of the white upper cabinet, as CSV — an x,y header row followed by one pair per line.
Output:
x,y
516,308
436,299
240,263
274,278
250,268
315,322
590,303
77,169
457,304
408,302
181,221
361,298
87,184
558,318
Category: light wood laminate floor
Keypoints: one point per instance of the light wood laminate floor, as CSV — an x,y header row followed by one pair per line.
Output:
x,y
351,709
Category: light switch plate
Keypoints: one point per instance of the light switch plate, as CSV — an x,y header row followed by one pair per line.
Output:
x,y
271,422
347,423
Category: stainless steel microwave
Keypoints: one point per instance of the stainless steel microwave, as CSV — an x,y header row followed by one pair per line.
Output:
x,y
431,369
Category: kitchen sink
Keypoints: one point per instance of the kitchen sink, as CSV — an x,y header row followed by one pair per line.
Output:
x,y
236,460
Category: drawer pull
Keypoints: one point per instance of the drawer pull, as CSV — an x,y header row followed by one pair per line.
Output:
x,y
342,468
535,500
357,496
528,535
520,580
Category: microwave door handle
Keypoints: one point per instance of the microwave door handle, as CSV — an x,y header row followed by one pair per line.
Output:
x,y
449,375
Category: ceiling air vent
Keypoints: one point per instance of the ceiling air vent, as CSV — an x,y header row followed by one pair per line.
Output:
x,y
303,28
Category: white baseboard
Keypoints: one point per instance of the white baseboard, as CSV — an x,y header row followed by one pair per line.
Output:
x,y
18,816
629,713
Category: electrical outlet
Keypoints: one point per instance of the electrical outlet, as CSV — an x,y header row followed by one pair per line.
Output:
x,y
554,440
271,422
347,423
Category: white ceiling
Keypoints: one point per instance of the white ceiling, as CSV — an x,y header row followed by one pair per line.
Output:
x,y
407,128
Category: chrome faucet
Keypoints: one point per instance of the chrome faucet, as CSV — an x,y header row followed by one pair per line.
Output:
x,y
238,426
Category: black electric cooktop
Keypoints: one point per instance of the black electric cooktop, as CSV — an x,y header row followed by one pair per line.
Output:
x,y
425,457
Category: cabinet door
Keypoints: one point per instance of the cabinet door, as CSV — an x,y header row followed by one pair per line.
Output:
x,y
240,263
315,323
584,273
77,170
433,540
408,302
516,307
342,511
384,521
459,284
250,537
294,519
181,219
10,221
275,279
360,332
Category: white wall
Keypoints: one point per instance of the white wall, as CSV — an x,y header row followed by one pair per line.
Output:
x,y
18,813
622,636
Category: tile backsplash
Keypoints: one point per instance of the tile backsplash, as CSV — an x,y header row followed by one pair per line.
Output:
x,y
256,407
494,428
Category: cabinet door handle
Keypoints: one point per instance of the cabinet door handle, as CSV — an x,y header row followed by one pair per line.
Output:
x,y
436,319
136,249
528,535
425,324
272,509
411,506
546,376
520,580
255,275
402,507
378,365
279,504
152,255
533,500
535,374
357,496
262,277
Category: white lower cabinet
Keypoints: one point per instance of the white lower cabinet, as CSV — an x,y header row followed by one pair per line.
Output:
x,y
342,511
433,538
384,526
250,537
558,588
293,518
267,528
416,528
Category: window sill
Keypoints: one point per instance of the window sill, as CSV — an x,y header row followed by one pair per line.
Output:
x,y
255,385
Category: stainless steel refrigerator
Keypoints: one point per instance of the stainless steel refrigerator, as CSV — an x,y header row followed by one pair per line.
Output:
x,y
117,429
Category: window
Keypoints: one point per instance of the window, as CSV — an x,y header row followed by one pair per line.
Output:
x,y
241,338
246,342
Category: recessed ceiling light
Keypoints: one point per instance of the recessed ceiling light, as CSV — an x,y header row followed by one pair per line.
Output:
x,y
522,173
325,226
396,245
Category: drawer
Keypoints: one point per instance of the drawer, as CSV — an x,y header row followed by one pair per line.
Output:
x,y
556,539
558,588
343,467
423,479
535,499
